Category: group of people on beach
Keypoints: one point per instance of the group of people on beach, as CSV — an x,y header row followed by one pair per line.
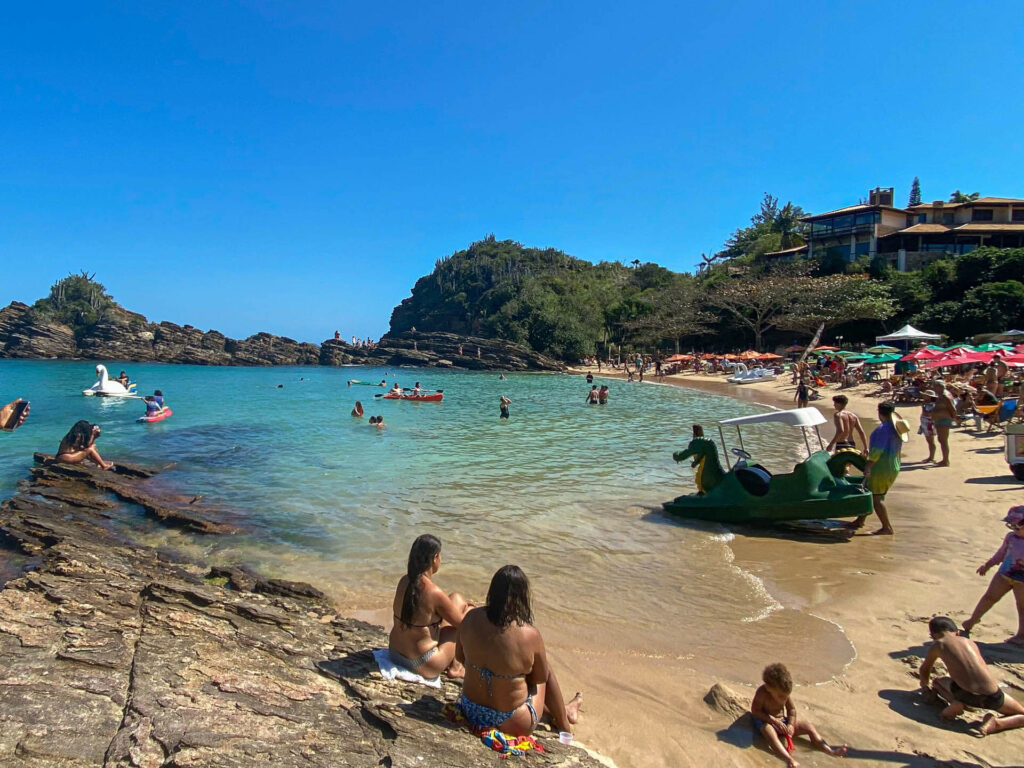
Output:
x,y
507,682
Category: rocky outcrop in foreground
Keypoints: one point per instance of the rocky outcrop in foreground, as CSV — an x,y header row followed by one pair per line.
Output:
x,y
118,654
128,336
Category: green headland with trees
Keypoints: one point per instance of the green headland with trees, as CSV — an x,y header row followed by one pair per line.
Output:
x,y
569,308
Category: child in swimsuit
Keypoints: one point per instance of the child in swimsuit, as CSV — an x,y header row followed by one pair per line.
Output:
x,y
1009,577
775,716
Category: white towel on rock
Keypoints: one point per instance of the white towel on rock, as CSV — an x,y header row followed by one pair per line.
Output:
x,y
391,671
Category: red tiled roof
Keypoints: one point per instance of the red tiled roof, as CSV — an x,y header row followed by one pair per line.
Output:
x,y
852,209
922,229
979,201
989,226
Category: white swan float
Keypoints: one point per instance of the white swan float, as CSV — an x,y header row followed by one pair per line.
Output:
x,y
742,376
108,387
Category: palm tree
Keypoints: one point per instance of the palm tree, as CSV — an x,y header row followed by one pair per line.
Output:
x,y
635,263
787,223
960,197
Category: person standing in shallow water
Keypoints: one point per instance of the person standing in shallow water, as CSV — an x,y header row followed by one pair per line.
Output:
x,y
503,405
426,619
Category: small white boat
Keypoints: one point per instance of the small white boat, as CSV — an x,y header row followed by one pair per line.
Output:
x,y
108,387
743,376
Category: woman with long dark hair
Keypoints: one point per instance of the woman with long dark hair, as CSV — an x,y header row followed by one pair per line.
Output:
x,y
79,444
426,619
506,665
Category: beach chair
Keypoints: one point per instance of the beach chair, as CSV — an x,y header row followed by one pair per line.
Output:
x,y
998,416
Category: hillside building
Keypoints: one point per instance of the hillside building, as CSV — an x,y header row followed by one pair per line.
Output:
x,y
909,238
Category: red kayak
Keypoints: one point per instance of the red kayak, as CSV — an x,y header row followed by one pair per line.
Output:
x,y
155,417
435,397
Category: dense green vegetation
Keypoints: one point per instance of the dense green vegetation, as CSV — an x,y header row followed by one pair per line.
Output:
x,y
568,307
77,301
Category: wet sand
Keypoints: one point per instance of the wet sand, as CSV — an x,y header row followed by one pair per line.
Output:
x,y
880,590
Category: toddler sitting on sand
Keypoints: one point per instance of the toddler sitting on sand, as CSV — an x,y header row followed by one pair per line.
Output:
x,y
775,716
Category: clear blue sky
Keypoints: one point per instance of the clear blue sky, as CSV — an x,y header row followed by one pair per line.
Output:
x,y
295,167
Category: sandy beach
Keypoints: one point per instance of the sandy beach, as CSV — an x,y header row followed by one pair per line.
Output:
x,y
880,590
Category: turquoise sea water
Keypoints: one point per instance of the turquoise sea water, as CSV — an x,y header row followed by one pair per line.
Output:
x,y
568,491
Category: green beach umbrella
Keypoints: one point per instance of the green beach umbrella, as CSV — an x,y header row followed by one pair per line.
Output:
x,y
888,357
881,349
993,347
847,353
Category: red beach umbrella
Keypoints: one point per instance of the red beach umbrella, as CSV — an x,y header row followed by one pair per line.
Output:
x,y
922,354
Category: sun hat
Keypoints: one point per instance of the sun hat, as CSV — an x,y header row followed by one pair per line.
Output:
x,y
902,427
1015,515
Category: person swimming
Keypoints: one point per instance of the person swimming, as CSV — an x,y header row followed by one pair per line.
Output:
x,y
357,411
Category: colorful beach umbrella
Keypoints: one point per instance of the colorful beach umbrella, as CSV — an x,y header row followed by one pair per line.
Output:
x,y
881,349
990,347
924,353
887,357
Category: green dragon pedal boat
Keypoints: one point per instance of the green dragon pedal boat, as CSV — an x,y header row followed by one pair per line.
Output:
x,y
816,489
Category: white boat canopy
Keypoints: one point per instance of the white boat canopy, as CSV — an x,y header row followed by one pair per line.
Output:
x,y
797,417
909,333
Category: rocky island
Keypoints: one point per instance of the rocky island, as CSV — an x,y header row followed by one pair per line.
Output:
x,y
79,321
118,654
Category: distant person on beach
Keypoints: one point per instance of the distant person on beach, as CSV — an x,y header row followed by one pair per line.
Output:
x,y
776,720
927,427
602,394
7,421
883,466
802,395
79,444
944,417
503,405
969,683
426,619
1009,577
506,667
357,411
847,427
593,398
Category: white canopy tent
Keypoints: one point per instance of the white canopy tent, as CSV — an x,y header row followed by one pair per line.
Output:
x,y
909,333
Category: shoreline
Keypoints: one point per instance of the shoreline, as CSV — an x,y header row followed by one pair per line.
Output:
x,y
881,591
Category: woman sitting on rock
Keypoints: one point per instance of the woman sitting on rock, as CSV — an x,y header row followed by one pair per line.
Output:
x,y
426,619
506,664
79,444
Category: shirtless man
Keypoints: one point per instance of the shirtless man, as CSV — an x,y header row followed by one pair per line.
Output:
x,y
847,424
943,417
969,683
